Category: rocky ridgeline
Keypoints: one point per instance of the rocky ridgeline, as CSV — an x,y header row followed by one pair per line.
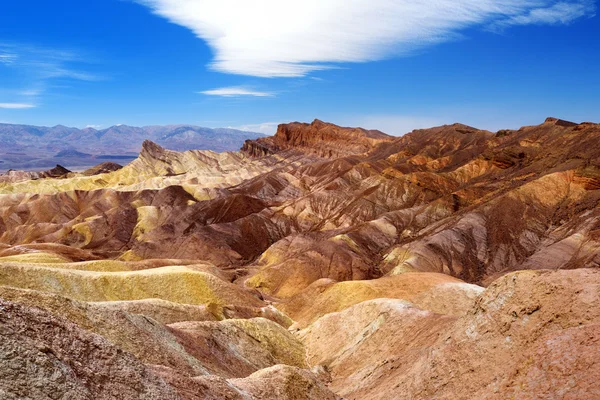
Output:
x,y
319,138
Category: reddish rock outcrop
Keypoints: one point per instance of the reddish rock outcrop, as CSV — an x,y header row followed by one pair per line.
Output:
x,y
319,138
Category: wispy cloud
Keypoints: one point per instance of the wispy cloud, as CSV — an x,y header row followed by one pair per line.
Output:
x,y
16,106
7,58
30,92
236,91
561,13
36,69
396,125
93,126
45,63
267,128
275,38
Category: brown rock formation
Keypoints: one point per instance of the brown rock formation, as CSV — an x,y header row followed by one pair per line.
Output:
x,y
319,138
103,168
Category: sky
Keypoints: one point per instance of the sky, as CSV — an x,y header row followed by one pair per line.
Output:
x,y
393,65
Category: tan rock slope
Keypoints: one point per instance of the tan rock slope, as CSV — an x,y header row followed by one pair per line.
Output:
x,y
321,263
13,176
529,335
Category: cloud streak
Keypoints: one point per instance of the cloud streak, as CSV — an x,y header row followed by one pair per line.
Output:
x,y
16,106
7,58
561,13
277,38
236,91
34,70
267,128
396,125
44,63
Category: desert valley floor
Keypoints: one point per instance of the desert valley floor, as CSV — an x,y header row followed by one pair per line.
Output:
x,y
320,263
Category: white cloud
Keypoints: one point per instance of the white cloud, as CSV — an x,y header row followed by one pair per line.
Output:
x,y
31,92
7,58
16,106
559,13
93,126
38,68
267,128
280,38
44,63
396,125
236,91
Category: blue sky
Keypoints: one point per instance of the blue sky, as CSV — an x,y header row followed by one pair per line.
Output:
x,y
393,65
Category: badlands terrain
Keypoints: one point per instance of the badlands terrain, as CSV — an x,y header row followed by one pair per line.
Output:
x,y
320,263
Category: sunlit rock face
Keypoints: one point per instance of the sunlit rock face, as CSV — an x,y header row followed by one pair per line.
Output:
x,y
531,334
319,138
321,263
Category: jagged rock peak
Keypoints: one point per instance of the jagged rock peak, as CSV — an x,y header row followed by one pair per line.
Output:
x,y
150,146
57,171
255,149
462,128
559,122
152,150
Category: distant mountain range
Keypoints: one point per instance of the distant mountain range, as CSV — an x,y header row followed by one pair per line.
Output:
x,y
34,147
